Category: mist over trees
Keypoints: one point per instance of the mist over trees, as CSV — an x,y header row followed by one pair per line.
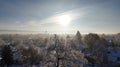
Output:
x,y
43,50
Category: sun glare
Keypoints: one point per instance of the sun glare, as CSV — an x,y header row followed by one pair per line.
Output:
x,y
64,20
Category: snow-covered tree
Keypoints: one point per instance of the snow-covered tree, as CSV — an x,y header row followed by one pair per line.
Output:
x,y
96,47
61,54
117,39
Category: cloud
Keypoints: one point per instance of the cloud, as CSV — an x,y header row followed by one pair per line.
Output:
x,y
74,14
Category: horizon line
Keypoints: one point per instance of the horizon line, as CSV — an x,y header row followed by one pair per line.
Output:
x,y
4,31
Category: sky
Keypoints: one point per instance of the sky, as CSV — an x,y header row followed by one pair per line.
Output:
x,y
87,16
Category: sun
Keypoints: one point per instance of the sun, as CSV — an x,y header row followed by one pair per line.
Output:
x,y
64,20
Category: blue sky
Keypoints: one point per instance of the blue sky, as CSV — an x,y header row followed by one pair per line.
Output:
x,y
97,16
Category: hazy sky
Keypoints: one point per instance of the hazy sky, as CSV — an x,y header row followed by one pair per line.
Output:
x,y
101,16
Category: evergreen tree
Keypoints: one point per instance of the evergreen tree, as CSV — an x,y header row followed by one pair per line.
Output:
x,y
78,37
7,55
